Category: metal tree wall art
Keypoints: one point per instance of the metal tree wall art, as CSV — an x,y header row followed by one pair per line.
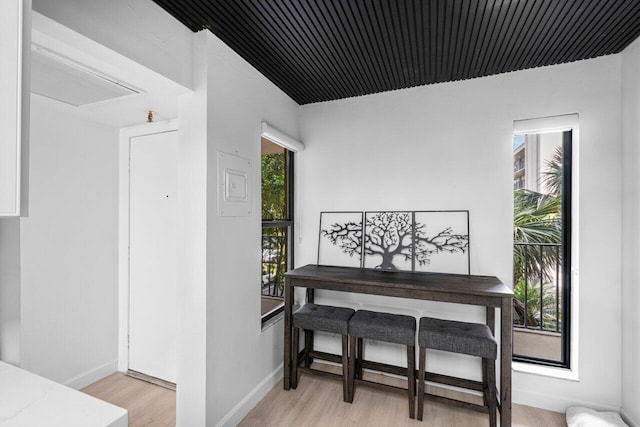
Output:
x,y
442,241
340,235
425,241
388,240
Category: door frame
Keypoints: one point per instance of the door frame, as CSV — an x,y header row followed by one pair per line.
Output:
x,y
123,228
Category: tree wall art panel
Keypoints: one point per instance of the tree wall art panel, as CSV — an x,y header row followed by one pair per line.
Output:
x,y
441,241
340,241
388,240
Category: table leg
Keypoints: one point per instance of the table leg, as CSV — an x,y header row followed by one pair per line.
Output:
x,y
506,352
288,312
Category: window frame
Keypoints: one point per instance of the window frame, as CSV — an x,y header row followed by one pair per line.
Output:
x,y
568,125
289,222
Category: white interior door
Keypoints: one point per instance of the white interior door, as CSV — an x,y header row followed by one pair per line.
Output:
x,y
152,254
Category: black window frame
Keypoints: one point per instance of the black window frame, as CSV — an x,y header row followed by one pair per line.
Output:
x,y
567,195
289,222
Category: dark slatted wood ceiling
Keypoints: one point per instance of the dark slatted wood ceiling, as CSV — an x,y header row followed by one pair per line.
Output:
x,y
320,50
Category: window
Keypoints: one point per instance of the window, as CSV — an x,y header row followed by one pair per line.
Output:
x,y
277,225
542,164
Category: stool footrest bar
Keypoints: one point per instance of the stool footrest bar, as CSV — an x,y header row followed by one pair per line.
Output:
x,y
455,402
382,386
319,372
326,356
383,367
453,381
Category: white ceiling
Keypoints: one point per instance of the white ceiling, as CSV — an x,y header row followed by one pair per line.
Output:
x,y
95,82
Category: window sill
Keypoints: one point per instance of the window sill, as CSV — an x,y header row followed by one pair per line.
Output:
x,y
275,319
272,321
546,371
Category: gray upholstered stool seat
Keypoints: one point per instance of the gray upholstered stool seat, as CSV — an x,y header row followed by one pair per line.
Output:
x,y
393,328
386,327
473,339
314,317
323,318
457,337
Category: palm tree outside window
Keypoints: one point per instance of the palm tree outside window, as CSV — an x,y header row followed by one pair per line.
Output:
x,y
542,247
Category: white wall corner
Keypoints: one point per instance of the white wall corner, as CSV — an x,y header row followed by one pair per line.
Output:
x,y
628,419
91,376
235,415
554,402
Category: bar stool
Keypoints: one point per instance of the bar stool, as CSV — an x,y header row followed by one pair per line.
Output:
x,y
313,317
386,327
464,338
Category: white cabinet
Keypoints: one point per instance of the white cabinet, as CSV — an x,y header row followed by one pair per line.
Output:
x,y
14,84
30,400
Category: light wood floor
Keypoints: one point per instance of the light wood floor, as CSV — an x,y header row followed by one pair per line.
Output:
x,y
149,405
316,402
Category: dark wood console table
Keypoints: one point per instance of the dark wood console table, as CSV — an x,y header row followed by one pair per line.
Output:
x,y
484,291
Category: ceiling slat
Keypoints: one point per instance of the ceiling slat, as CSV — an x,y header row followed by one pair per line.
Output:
x,y
266,58
500,38
584,22
377,56
361,46
626,30
321,50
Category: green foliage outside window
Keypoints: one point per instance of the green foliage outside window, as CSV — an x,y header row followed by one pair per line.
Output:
x,y
274,195
274,207
538,220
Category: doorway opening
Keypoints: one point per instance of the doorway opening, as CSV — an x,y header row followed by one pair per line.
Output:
x,y
148,260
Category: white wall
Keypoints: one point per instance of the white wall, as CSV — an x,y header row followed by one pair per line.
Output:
x,y
226,363
191,396
243,362
449,146
631,233
10,290
69,248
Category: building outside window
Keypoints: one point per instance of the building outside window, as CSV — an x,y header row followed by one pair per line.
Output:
x,y
542,246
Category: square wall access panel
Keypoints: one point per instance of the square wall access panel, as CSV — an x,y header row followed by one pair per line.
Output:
x,y
234,185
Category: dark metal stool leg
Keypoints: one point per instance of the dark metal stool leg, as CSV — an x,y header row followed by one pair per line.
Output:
x,y
485,392
352,368
308,348
359,358
411,380
295,346
491,390
345,368
421,380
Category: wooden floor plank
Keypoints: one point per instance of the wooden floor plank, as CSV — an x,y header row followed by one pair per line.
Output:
x,y
149,405
316,402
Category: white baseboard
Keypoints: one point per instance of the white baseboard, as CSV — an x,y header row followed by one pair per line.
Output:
x,y
235,415
555,403
627,418
90,377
